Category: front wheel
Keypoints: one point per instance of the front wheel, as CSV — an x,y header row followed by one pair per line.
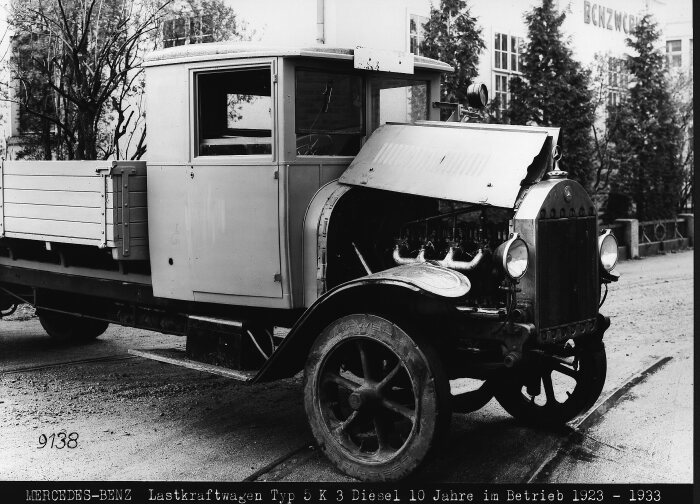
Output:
x,y
555,388
376,400
65,328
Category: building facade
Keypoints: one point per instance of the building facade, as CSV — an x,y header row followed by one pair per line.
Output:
x,y
597,33
597,30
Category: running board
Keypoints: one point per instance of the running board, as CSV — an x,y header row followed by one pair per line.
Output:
x,y
178,358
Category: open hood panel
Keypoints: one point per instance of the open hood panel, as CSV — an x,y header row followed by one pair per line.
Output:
x,y
472,163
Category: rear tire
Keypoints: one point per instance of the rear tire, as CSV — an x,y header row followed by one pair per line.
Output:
x,y
64,328
377,400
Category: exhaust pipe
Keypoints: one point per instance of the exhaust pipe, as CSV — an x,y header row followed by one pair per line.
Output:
x,y
449,262
408,260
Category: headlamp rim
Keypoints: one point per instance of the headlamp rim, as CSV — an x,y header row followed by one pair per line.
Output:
x,y
605,234
504,255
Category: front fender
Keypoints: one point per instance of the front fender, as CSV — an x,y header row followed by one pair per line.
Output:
x,y
422,290
425,276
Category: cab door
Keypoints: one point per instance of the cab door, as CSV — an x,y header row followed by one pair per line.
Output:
x,y
233,197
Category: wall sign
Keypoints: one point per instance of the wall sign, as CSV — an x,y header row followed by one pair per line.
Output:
x,y
607,18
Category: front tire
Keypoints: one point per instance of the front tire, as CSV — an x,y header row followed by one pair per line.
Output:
x,y
376,401
64,328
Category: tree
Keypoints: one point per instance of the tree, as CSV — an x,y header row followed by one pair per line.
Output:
x,y
681,89
182,22
36,95
554,90
81,51
77,64
608,79
452,36
648,150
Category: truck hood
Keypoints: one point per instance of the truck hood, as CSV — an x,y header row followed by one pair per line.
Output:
x,y
472,163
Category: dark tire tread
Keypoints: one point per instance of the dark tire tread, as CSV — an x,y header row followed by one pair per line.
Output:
x,y
64,328
433,424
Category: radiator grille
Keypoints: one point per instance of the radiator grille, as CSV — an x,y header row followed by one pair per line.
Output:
x,y
567,271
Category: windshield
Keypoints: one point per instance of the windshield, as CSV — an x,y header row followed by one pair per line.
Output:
x,y
330,113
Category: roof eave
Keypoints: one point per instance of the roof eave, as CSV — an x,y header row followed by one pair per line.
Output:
x,y
218,51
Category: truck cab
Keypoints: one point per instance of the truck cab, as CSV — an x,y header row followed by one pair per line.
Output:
x,y
240,140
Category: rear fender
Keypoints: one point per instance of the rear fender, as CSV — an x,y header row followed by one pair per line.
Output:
x,y
415,294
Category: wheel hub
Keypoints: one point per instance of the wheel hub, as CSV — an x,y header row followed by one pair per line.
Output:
x,y
362,397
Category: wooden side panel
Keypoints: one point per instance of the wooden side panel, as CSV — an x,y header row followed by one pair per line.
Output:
x,y
54,198
77,202
52,212
55,168
59,201
48,227
54,183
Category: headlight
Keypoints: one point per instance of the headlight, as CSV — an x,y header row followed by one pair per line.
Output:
x,y
477,95
607,248
512,257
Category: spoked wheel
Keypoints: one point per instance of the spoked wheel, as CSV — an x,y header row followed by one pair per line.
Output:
x,y
65,328
555,388
375,400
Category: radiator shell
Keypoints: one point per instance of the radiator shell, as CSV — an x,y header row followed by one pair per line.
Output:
x,y
558,221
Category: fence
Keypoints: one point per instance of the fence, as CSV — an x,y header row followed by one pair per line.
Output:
x,y
639,239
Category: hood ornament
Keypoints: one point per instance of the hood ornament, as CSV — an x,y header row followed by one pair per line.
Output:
x,y
556,173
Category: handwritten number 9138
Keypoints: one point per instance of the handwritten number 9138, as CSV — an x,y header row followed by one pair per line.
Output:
x,y
59,441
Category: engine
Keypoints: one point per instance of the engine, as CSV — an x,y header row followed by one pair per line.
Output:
x,y
461,237
386,229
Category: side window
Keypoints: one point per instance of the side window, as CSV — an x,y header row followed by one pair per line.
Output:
x,y
398,100
330,113
234,112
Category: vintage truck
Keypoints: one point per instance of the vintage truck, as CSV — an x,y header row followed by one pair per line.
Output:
x,y
315,189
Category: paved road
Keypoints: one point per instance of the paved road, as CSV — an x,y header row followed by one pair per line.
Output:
x,y
138,419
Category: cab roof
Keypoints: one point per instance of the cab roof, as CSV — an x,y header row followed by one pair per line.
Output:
x,y
241,50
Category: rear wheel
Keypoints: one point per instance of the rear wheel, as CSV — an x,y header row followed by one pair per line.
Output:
x,y
65,328
556,388
376,400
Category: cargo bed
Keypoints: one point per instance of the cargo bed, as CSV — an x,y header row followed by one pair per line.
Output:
x,y
97,203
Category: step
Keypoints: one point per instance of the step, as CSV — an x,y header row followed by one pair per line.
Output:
x,y
178,358
216,321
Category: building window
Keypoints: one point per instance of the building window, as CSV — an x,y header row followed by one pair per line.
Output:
x,y
507,52
617,80
416,33
507,62
234,112
502,93
188,30
673,53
